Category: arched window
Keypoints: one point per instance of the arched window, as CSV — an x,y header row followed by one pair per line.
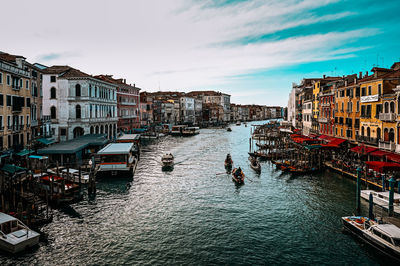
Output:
x,y
368,132
362,131
391,135
91,130
386,134
53,93
398,105
90,90
78,112
378,133
392,107
77,90
53,112
386,107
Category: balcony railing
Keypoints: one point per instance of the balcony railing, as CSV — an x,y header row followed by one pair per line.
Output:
x,y
387,116
387,145
367,140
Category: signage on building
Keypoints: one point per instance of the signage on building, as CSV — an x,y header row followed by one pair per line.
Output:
x,y
370,98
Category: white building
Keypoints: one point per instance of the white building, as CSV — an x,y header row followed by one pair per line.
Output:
x,y
78,103
291,112
187,110
307,116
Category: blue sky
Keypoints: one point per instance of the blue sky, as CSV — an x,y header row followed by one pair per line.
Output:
x,y
252,50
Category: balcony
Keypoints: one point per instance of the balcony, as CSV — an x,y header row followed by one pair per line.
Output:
x,y
367,140
387,145
323,119
387,117
16,88
128,103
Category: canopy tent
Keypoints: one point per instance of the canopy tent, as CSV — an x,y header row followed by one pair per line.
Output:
x,y
394,157
363,149
314,136
383,166
380,153
336,141
24,152
13,169
45,141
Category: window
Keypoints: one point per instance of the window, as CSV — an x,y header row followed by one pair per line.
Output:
x,y
52,78
77,90
53,93
342,106
53,112
1,123
21,83
8,80
63,132
368,110
27,84
8,100
1,80
392,107
90,90
1,100
379,89
8,121
358,106
369,90
78,111
378,110
363,113
27,120
28,102
363,91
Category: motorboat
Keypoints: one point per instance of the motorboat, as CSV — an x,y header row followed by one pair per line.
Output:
x,y
16,236
167,162
117,159
238,123
384,237
382,199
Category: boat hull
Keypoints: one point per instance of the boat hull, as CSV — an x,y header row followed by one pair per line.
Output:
x,y
21,246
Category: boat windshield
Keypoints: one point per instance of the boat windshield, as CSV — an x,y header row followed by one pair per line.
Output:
x,y
396,241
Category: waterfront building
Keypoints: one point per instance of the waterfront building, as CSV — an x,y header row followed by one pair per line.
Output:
x,y
146,109
347,108
187,112
397,101
244,110
78,103
292,105
127,103
326,108
378,118
234,112
198,111
16,82
213,97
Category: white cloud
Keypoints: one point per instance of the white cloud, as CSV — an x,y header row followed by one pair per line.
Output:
x,y
171,43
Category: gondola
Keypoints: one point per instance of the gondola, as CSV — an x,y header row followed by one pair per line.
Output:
x,y
238,179
255,164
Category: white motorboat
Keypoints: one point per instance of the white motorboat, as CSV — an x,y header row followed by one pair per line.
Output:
x,y
16,236
167,161
238,123
382,199
117,159
384,237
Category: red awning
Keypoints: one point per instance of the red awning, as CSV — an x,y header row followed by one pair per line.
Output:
x,y
313,136
323,137
393,157
336,141
363,149
380,153
382,166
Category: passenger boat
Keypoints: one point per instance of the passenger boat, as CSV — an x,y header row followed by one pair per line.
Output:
x,y
382,199
167,162
190,131
178,130
238,179
384,237
16,236
255,164
117,159
238,123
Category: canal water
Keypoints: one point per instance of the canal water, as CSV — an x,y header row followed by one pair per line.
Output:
x,y
195,215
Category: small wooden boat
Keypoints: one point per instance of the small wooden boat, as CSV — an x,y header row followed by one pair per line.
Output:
x,y
59,189
238,178
255,164
384,237
229,129
16,236
167,162
260,155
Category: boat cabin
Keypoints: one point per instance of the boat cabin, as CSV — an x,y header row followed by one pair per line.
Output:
x,y
129,138
116,157
178,130
388,232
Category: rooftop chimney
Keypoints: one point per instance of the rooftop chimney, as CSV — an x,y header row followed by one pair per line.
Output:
x,y
366,73
124,81
324,76
360,75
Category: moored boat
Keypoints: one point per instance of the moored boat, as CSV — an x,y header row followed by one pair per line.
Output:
x,y
190,131
384,237
16,236
167,162
117,159
255,164
238,176
382,199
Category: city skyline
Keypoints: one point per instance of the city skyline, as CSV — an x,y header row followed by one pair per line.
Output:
x,y
252,50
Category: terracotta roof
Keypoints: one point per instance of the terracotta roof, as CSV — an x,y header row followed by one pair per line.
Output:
x,y
110,79
205,93
9,57
65,72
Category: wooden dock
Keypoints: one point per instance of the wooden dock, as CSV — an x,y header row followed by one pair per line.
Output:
x,y
354,176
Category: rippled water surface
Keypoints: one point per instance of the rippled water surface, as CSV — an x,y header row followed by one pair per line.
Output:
x,y
195,215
